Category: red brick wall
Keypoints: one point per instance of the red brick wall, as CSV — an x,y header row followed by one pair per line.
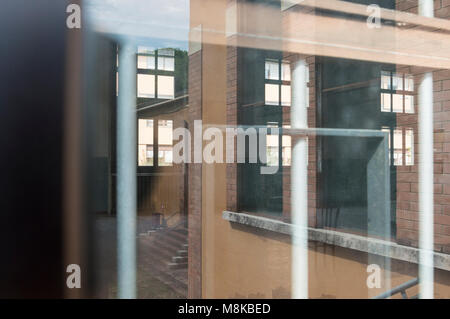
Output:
x,y
195,182
232,94
407,176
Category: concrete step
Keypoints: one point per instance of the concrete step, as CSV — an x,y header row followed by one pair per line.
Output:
x,y
168,245
180,259
177,265
157,251
176,234
182,231
182,252
169,279
174,240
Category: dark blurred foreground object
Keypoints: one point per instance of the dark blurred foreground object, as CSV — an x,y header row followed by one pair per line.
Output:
x,y
32,78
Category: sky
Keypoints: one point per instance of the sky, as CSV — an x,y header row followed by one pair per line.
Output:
x,y
154,23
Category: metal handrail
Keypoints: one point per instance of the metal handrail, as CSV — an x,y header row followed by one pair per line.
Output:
x,y
399,289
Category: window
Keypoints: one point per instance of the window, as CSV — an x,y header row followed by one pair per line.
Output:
x,y
146,85
277,86
156,78
272,146
403,141
272,94
396,92
409,147
165,142
146,62
165,87
285,95
145,142
272,70
398,147
286,148
146,147
146,58
166,63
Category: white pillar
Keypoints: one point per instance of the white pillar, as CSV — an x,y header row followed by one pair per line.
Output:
x,y
126,173
426,207
299,187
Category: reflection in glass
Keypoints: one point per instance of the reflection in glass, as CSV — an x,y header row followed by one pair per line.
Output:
x,y
165,87
272,94
165,141
145,142
146,85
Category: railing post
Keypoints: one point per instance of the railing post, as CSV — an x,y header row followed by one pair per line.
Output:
x,y
426,207
299,187
126,173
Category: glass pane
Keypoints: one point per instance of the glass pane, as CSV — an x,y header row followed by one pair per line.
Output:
x,y
272,94
168,52
146,62
409,104
409,83
166,63
398,147
272,70
145,50
272,150
285,95
229,65
145,142
388,130
286,151
409,146
285,71
397,103
397,81
165,87
146,85
385,102
165,141
385,80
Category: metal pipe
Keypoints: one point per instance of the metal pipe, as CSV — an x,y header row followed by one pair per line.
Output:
x,y
126,173
426,207
299,187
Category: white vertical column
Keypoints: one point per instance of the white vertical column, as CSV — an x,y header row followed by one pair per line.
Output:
x,y
126,173
299,187
426,207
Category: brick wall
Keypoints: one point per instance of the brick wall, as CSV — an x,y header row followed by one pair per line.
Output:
x,y
407,176
195,182
232,102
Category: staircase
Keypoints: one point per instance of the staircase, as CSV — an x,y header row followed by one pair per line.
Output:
x,y
165,252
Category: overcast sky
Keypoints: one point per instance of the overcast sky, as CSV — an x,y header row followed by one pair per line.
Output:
x,y
161,23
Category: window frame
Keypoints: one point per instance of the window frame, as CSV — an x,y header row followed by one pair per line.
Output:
x,y
279,83
156,71
391,92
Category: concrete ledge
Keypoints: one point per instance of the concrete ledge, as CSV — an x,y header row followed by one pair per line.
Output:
x,y
345,240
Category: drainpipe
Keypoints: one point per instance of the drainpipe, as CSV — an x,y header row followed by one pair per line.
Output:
x,y
126,173
299,187
426,206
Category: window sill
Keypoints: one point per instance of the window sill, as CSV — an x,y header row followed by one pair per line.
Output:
x,y
340,239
